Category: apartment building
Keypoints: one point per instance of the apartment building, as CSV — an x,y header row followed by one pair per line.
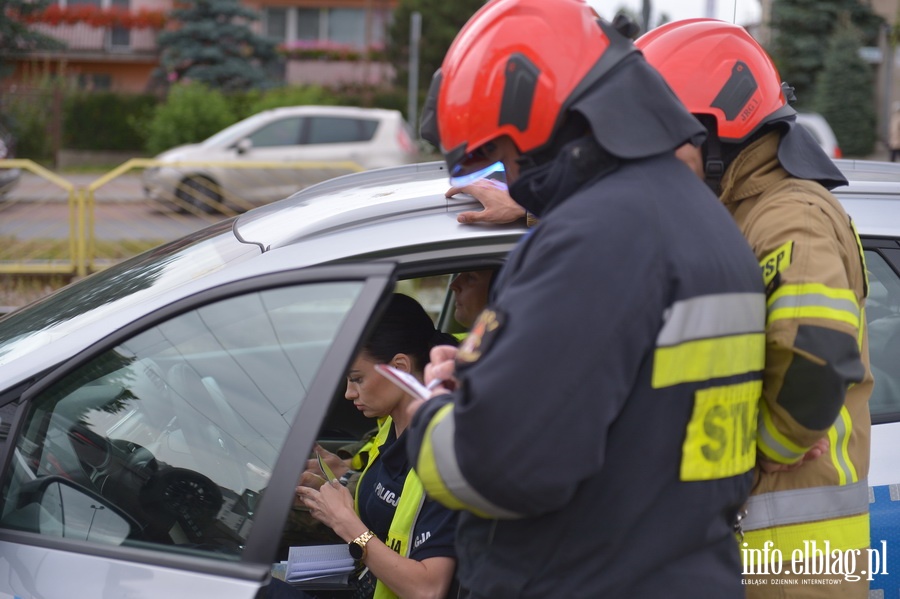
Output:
x,y
111,44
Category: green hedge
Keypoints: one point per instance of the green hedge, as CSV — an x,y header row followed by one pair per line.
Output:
x,y
106,121
142,123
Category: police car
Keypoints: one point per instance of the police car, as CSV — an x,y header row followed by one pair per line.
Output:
x,y
156,415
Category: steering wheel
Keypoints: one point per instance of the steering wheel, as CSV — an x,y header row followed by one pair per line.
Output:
x,y
188,497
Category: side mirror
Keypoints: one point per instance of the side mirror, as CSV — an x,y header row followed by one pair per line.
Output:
x,y
62,508
244,146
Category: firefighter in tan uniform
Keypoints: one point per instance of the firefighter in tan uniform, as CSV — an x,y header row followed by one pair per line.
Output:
x,y
807,518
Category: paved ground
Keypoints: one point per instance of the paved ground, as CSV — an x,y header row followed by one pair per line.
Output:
x,y
125,188
39,208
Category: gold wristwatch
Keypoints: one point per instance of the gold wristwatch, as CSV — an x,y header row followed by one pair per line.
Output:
x,y
358,545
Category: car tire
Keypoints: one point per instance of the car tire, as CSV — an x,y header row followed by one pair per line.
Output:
x,y
200,193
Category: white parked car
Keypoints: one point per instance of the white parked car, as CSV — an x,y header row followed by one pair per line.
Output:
x,y
274,153
821,131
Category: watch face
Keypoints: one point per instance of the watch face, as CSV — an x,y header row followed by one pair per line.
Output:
x,y
356,552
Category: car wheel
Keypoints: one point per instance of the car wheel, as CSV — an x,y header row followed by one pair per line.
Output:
x,y
199,193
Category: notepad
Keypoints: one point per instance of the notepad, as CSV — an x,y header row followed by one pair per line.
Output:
x,y
319,562
326,471
404,380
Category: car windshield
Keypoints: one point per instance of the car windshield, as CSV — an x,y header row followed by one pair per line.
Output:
x,y
129,282
236,131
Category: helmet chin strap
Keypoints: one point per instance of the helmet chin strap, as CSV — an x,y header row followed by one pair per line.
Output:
x,y
713,165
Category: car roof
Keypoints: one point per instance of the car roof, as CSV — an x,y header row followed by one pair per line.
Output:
x,y
353,201
872,198
333,110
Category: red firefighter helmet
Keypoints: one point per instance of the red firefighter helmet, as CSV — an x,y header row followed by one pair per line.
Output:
x,y
717,68
512,70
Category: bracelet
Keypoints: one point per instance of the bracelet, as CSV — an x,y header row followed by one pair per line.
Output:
x,y
345,477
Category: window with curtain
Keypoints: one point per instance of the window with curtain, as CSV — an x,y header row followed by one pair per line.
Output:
x,y
276,23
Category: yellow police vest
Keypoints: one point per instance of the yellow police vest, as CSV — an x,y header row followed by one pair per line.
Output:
x,y
408,507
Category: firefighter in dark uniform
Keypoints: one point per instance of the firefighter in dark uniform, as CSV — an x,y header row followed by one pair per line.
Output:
x,y
598,434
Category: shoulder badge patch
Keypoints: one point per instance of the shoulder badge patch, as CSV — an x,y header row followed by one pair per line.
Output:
x,y
480,337
774,264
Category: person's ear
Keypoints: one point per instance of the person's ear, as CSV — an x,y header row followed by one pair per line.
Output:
x,y
402,362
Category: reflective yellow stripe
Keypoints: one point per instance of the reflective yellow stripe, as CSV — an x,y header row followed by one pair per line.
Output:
x,y
427,465
705,359
776,262
862,330
429,473
862,254
384,429
813,300
408,507
721,435
841,533
772,443
839,441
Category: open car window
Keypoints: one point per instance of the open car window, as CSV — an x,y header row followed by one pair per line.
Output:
x,y
883,318
168,440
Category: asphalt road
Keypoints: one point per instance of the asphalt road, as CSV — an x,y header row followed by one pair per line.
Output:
x,y
38,208
32,188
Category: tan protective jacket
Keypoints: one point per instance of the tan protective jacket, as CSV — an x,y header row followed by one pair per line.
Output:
x,y
817,380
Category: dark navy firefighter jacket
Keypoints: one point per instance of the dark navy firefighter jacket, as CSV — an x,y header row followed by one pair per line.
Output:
x,y
602,437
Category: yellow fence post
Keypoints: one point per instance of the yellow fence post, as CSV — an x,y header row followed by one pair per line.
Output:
x,y
71,265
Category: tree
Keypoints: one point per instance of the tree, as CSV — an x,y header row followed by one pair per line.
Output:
x,y
191,113
844,92
441,21
214,45
16,37
799,26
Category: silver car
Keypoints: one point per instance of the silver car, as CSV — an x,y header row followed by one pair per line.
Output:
x,y
274,153
9,177
159,413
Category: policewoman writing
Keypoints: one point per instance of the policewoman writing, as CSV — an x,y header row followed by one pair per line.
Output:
x,y
403,539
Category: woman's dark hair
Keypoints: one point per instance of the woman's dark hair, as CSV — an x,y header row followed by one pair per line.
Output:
x,y
405,328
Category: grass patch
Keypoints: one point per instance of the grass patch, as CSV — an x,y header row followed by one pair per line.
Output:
x,y
20,290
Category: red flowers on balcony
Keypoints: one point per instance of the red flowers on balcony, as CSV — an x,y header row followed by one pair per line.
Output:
x,y
327,50
95,16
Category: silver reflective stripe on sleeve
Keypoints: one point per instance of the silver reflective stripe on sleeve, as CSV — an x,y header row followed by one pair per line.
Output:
x,y
815,300
713,316
768,440
442,437
794,506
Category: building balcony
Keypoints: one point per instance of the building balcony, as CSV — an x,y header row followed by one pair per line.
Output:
x,y
85,40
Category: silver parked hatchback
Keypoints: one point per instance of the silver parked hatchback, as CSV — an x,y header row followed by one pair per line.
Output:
x,y
274,153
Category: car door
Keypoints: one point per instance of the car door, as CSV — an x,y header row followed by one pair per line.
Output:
x,y
883,318
341,139
272,144
162,461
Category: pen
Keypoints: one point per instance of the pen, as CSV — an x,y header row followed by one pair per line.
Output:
x,y
434,384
